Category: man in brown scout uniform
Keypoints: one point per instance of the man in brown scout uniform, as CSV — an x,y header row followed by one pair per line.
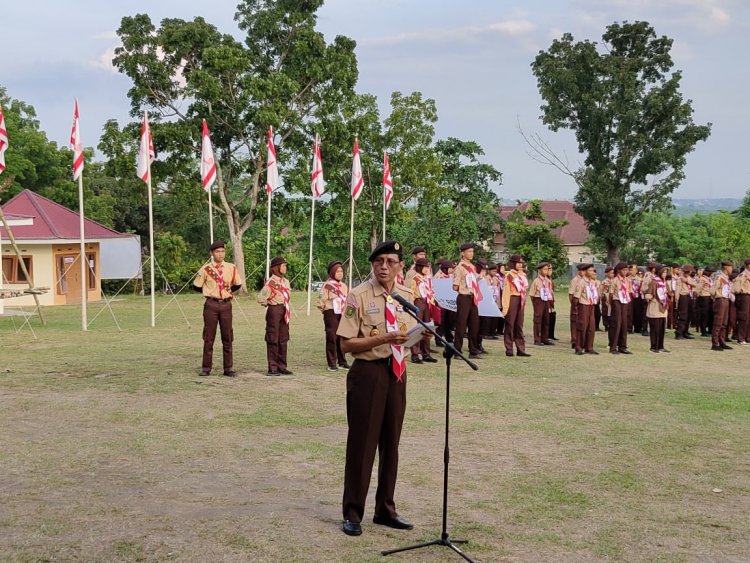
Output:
x,y
703,300
331,302
275,297
722,291
585,298
573,310
466,283
657,299
621,296
217,281
514,302
373,328
418,252
685,293
606,296
447,317
541,295
743,305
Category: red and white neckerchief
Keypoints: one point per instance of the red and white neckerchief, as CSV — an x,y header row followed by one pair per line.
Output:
x,y
424,287
661,290
690,288
400,278
710,282
635,288
545,292
592,293
339,300
521,283
216,271
473,283
725,287
391,325
501,278
624,294
285,294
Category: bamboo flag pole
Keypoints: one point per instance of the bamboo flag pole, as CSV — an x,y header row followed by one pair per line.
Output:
x,y
151,244
208,174
357,185
75,141
310,259
318,188
145,155
272,183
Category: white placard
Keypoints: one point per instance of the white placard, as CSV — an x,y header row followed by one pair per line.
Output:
x,y
445,297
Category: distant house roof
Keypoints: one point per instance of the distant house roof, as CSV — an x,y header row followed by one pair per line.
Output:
x,y
52,221
573,234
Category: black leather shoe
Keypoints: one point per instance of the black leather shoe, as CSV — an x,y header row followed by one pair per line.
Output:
x,y
725,347
269,372
204,373
625,351
351,528
579,352
523,354
509,354
429,359
416,360
717,348
230,373
592,352
548,343
286,372
395,522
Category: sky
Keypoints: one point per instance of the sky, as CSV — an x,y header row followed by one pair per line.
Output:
x,y
472,57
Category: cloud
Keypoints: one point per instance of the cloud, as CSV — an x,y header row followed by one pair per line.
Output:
x,y
104,61
108,35
512,27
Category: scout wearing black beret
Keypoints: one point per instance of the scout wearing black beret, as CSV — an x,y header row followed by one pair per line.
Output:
x,y
217,244
466,246
387,247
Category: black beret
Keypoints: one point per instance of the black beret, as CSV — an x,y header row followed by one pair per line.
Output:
x,y
621,266
277,261
331,266
515,258
727,263
542,265
217,244
421,262
585,266
387,247
417,250
492,266
709,270
466,246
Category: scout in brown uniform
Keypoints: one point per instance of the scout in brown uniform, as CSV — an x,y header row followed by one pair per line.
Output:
x,y
657,299
541,295
373,329
606,296
423,296
573,310
331,302
447,318
217,281
552,310
585,298
673,278
722,291
685,292
493,282
621,293
743,305
514,301
703,292
275,297
466,283
732,322
416,253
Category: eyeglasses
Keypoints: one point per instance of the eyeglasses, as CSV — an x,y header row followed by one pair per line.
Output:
x,y
389,261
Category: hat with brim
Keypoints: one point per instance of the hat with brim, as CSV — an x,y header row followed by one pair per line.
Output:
x,y
277,261
217,244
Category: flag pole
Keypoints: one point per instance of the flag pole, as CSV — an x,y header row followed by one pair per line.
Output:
x,y
268,237
84,260
210,215
310,260
351,245
151,232
383,213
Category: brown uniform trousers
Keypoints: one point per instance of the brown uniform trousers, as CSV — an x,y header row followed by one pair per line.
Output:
x,y
684,313
334,355
467,316
375,406
573,324
423,346
514,326
277,336
743,317
671,312
721,318
618,326
217,312
657,327
703,312
731,332
541,320
586,328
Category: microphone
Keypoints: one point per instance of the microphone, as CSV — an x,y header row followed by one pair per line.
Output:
x,y
405,304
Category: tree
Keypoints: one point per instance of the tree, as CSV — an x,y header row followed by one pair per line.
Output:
x,y
630,121
528,233
284,75
744,208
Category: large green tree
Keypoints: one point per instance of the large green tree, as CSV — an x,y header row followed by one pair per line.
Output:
x,y
528,233
284,74
622,100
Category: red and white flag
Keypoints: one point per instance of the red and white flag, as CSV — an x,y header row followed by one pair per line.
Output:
x,y
146,152
75,144
208,164
357,180
3,140
272,172
316,179
387,182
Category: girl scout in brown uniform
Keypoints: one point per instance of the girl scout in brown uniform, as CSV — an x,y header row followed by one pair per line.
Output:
x,y
275,297
373,330
657,299
331,302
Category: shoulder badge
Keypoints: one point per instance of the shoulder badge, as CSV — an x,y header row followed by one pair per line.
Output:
x,y
349,312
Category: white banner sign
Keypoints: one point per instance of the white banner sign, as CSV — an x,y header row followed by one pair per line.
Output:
x,y
446,297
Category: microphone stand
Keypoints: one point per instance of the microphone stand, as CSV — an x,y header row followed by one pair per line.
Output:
x,y
448,353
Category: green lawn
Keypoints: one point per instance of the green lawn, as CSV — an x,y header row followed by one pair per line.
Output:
x,y
114,450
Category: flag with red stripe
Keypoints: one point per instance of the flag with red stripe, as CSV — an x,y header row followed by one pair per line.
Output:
x,y
146,152
75,144
272,167
208,164
316,179
387,182
357,179
3,140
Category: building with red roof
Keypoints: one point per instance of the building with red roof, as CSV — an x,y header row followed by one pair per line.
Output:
x,y
574,234
47,234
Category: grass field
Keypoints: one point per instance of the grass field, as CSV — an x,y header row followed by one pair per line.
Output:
x,y
114,450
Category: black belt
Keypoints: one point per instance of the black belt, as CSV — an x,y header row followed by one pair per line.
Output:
x,y
227,300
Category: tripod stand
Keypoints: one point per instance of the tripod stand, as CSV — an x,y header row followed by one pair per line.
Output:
x,y
448,354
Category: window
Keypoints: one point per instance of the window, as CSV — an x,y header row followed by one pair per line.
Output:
x,y
12,272
92,270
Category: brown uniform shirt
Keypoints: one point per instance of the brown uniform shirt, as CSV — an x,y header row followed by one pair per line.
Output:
x,y
582,295
459,277
655,308
208,278
365,316
743,282
685,284
573,286
535,290
703,288
617,284
331,291
721,280
271,292
510,288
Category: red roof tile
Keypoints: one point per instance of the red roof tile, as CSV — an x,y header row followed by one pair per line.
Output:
x,y
51,220
573,234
